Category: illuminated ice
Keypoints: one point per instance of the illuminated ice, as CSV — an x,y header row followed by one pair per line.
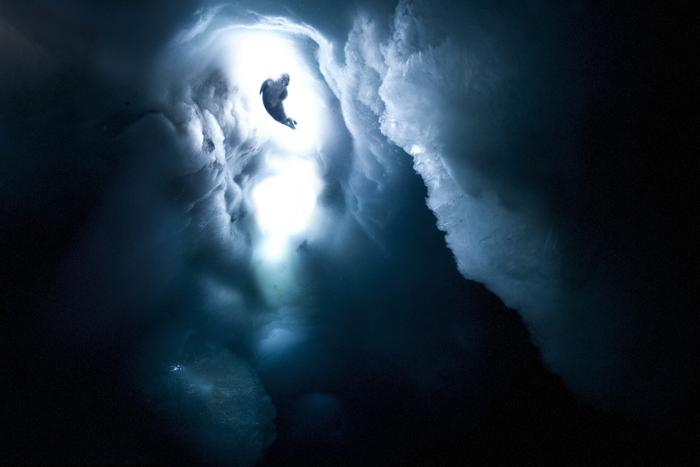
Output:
x,y
256,55
285,202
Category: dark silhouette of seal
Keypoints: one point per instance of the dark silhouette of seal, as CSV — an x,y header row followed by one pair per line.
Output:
x,y
273,93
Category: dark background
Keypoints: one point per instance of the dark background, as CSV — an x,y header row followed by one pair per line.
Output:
x,y
69,390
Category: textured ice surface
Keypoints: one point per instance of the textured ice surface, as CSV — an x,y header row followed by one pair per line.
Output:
x,y
452,105
217,399
451,97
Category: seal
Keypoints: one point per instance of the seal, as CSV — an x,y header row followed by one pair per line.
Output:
x,y
273,93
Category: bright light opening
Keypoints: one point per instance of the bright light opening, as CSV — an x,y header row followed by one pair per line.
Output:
x,y
255,56
284,193
285,202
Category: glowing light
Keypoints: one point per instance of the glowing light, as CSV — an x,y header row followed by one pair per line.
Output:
x,y
284,192
274,248
416,149
255,56
285,202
